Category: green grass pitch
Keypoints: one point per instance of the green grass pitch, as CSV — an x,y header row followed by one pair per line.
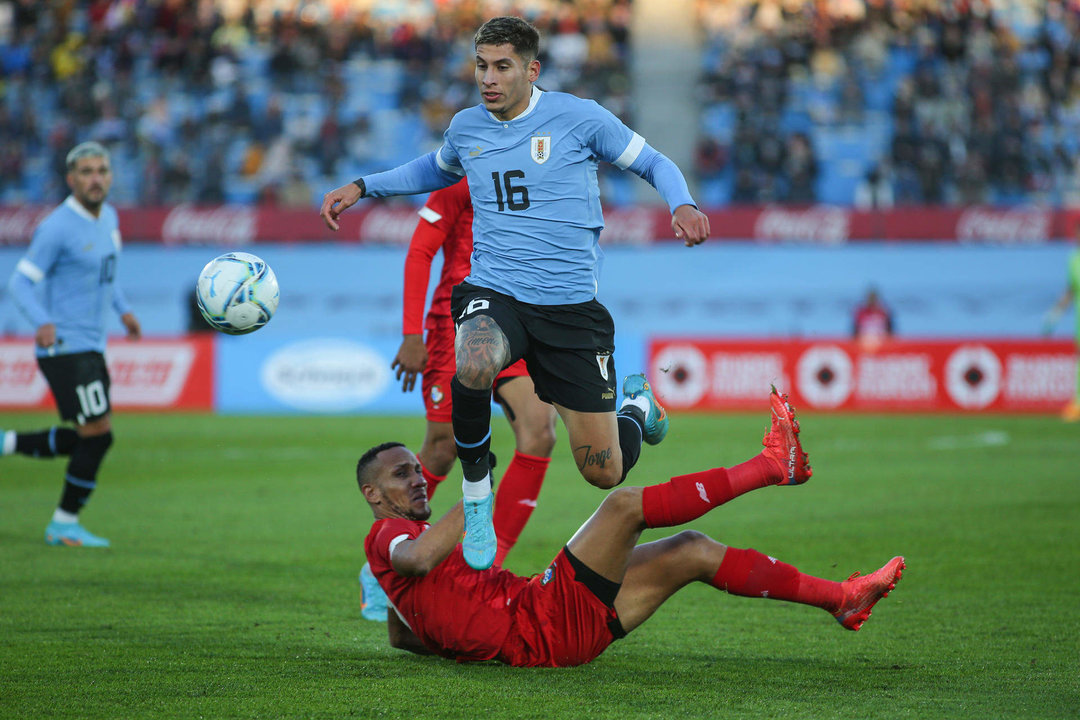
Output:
x,y
231,591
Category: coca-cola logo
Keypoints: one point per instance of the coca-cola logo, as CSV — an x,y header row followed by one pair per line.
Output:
x,y
225,225
827,225
390,225
627,227
1028,225
17,224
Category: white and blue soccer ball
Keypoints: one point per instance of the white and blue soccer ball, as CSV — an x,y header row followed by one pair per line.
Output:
x,y
237,293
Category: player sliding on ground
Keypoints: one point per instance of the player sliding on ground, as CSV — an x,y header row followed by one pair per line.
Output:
x,y
602,584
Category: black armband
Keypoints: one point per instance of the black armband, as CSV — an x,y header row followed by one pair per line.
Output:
x,y
359,182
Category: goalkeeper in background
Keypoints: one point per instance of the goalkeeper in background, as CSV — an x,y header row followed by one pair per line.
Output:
x,y
1071,413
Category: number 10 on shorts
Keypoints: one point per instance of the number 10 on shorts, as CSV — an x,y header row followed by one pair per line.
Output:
x,y
92,399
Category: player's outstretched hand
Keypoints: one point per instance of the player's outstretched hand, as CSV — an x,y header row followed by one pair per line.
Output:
x,y
411,359
131,324
690,225
338,201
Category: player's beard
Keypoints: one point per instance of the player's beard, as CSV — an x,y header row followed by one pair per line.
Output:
x,y
409,513
92,204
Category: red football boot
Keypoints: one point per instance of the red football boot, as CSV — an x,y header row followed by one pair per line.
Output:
x,y
782,442
861,593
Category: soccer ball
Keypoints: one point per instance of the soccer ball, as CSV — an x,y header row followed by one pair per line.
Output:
x,y
237,293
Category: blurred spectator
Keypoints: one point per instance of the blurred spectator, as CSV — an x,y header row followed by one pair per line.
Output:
x,y
801,170
873,322
875,191
296,192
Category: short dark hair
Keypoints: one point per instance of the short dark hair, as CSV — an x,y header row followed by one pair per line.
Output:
x,y
513,31
364,464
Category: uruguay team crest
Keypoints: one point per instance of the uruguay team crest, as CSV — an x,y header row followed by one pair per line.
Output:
x,y
540,148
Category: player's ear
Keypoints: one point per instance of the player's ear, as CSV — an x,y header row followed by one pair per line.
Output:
x,y
371,493
533,71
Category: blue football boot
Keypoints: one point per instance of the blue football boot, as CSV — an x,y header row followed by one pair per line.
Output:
x,y
479,544
656,420
72,535
373,604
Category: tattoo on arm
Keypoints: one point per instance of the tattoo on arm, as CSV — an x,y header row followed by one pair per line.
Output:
x,y
481,350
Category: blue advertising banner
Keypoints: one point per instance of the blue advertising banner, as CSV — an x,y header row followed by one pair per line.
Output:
x,y
286,373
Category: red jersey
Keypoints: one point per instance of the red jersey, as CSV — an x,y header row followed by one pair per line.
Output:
x,y
445,223
456,611
547,620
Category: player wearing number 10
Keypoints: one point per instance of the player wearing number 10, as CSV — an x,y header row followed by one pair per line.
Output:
x,y
73,256
531,158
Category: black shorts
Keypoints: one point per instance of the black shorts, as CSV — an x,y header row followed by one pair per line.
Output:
x,y
567,348
79,384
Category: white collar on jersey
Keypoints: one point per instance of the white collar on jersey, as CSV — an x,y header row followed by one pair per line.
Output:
x,y
77,206
533,99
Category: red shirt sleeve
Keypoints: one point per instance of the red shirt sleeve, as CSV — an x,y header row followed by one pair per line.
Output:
x,y
382,534
437,220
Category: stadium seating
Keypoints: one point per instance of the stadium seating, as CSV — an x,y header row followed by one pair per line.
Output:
x,y
208,108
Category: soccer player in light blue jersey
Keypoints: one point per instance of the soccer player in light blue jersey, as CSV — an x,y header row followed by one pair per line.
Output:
x,y
531,158
73,256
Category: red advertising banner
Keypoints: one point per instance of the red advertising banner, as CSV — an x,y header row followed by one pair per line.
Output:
x,y
236,226
156,374
899,376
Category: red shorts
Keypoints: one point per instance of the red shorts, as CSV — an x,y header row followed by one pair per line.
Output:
x,y
558,621
440,369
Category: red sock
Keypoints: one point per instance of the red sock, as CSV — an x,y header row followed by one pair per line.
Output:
x,y
515,499
757,472
688,497
432,480
752,574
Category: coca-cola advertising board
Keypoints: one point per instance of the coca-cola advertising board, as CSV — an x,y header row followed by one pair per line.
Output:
x,y
898,376
392,223
158,374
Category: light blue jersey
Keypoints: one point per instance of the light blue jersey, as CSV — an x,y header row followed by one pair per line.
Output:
x,y
74,256
537,215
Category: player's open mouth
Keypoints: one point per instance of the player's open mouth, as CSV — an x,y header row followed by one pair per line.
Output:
x,y
491,97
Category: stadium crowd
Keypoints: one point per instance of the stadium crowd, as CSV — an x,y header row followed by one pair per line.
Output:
x,y
259,100
877,102
865,102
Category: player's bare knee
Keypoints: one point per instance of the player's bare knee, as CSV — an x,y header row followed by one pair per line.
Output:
x,y
537,439
438,455
698,550
605,477
476,374
624,502
481,351
93,428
